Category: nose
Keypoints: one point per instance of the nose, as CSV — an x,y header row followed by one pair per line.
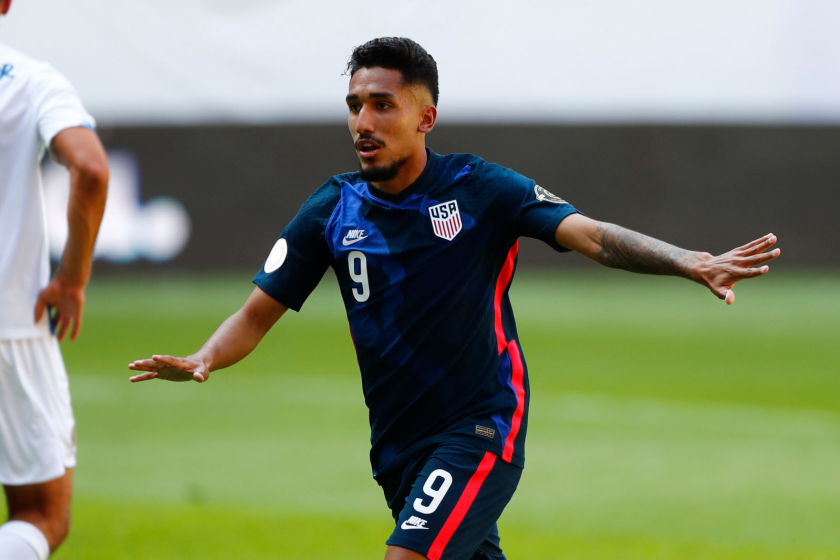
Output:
x,y
364,121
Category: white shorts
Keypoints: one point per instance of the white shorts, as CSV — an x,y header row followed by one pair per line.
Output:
x,y
37,428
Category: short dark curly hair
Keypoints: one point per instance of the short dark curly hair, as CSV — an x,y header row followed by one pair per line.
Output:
x,y
399,53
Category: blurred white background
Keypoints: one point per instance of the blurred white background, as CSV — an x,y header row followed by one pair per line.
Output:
x,y
274,61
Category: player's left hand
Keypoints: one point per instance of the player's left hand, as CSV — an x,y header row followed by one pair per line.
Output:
x,y
720,273
67,302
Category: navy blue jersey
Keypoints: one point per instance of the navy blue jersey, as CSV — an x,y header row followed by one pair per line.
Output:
x,y
424,276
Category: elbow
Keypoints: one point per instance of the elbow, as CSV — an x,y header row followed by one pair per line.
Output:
x,y
91,177
93,172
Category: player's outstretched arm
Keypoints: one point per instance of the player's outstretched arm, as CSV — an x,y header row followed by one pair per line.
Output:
x,y
81,152
235,338
617,247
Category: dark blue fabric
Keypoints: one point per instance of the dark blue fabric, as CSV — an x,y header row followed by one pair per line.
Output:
x,y
424,326
477,535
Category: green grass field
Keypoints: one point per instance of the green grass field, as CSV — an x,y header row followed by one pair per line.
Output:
x,y
663,425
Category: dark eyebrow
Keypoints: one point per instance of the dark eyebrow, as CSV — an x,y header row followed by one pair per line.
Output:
x,y
375,95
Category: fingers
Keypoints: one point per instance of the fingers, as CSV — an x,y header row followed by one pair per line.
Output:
x,y
757,242
40,305
179,363
758,246
168,368
753,272
143,376
77,326
146,365
67,323
741,263
63,325
761,258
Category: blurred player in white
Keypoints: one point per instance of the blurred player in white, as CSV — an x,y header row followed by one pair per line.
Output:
x,y
39,109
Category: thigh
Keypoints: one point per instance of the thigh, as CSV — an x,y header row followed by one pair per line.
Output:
x,y
37,429
45,505
453,504
46,500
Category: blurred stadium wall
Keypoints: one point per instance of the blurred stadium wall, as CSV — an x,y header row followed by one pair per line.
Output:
x,y
707,124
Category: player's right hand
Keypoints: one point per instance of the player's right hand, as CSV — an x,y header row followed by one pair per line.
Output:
x,y
67,301
170,369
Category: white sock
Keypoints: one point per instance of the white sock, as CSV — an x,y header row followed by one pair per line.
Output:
x,y
20,540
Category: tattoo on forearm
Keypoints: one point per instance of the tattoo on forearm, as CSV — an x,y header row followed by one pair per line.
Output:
x,y
628,250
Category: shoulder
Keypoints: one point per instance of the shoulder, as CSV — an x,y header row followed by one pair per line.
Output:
x,y
319,207
37,73
21,61
480,170
455,166
327,196
505,176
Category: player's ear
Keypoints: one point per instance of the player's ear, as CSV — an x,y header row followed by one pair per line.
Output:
x,y
427,119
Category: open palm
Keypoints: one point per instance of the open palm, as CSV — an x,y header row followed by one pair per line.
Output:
x,y
170,368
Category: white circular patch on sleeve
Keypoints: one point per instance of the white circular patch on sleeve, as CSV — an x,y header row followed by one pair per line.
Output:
x,y
277,256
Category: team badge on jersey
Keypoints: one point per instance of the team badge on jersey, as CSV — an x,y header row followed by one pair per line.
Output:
x,y
446,220
6,70
545,196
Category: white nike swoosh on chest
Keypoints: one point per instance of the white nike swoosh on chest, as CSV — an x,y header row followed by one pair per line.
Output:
x,y
404,526
347,242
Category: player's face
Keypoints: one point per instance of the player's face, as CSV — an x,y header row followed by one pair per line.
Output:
x,y
387,121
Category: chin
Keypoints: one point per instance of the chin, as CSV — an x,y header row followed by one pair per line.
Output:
x,y
379,173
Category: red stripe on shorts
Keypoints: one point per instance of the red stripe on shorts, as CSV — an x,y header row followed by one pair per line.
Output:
x,y
462,507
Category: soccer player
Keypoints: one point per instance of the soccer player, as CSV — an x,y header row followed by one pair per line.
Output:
x,y
40,109
424,247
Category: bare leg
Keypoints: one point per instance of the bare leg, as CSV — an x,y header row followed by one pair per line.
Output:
x,y
400,553
45,505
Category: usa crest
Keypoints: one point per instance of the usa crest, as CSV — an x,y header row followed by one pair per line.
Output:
x,y
446,219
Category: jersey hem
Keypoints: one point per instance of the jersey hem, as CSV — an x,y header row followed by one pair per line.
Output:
x,y
517,460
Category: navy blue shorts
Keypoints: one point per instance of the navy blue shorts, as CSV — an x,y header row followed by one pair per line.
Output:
x,y
446,502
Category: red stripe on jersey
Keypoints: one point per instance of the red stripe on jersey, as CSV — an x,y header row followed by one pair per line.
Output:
x,y
458,221
435,225
462,507
517,378
504,279
448,224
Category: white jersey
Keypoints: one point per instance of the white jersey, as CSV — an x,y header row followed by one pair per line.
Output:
x,y
36,103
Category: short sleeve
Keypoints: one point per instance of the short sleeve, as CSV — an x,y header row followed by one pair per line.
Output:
x,y
58,104
300,256
532,210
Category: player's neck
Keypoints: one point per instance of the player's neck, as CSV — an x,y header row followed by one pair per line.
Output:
x,y
409,172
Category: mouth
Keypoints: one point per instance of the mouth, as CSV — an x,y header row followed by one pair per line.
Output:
x,y
367,148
